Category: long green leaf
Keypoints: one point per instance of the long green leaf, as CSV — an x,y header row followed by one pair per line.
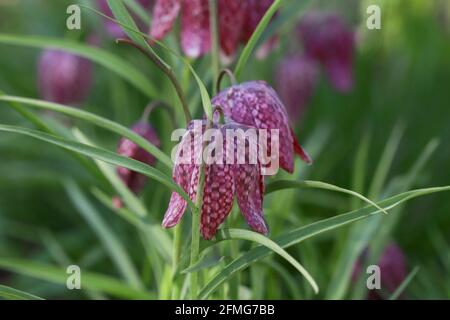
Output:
x,y
107,237
289,184
101,154
94,119
128,197
245,55
91,281
14,294
271,245
300,234
117,65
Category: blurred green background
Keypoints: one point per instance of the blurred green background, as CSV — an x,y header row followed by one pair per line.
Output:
x,y
402,88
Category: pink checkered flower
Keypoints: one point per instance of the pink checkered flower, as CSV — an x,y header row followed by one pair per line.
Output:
x,y
222,182
256,104
237,21
327,39
296,78
63,77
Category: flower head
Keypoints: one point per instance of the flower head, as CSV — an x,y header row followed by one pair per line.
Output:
x,y
127,148
237,20
223,180
257,105
63,77
327,39
296,77
393,269
114,29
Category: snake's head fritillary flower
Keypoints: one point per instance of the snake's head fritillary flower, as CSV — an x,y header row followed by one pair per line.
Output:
x,y
63,77
127,148
222,182
114,29
327,38
237,20
296,78
393,269
256,104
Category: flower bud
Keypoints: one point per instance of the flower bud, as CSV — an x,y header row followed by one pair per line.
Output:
x,y
63,77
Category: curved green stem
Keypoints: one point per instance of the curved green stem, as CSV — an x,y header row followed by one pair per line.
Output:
x,y
167,70
230,75
215,63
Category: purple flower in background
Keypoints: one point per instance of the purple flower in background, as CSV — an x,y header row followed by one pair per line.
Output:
x,y
127,148
257,105
296,78
63,77
222,183
237,20
393,269
327,39
114,29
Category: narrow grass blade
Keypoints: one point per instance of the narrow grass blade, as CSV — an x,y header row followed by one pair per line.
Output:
x,y
289,184
152,231
91,281
404,284
300,234
126,195
271,245
94,119
248,49
108,60
101,154
108,238
14,294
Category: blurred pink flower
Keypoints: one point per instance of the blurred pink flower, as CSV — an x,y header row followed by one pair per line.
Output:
x,y
127,148
237,21
114,29
63,77
296,78
393,269
327,39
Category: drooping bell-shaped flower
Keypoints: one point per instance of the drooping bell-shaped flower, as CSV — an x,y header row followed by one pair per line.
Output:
x,y
114,29
296,78
127,148
63,77
223,180
393,270
237,20
256,104
327,39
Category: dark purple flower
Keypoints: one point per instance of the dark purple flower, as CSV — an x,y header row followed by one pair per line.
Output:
x,y
222,182
114,29
237,21
327,39
257,105
393,270
127,148
63,77
296,78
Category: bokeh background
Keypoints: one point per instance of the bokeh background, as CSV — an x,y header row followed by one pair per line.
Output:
x,y
399,107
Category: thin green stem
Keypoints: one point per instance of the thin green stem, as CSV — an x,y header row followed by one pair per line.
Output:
x,y
230,75
167,70
195,242
215,63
